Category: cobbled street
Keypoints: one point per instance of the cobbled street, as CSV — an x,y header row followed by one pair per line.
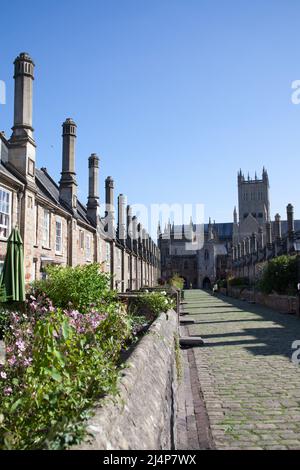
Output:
x,y
246,380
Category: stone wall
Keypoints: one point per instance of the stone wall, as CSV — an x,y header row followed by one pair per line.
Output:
x,y
144,415
281,303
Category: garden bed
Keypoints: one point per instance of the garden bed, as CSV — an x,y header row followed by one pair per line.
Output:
x,y
64,353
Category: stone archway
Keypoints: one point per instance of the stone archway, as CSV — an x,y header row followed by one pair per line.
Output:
x,y
206,284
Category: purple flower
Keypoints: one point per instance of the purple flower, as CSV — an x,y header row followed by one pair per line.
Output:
x,y
27,362
8,391
12,360
21,345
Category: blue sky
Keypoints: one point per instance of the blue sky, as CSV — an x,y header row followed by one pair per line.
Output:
x,y
174,95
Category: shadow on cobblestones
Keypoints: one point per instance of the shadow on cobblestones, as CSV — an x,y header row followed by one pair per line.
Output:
x,y
250,386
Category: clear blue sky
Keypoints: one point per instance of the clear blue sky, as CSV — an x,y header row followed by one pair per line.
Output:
x,y
174,95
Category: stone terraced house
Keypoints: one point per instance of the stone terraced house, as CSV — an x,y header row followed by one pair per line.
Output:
x,y
55,226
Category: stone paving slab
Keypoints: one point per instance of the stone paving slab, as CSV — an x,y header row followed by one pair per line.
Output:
x,y
250,386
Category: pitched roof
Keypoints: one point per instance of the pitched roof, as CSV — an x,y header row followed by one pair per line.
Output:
x,y
5,171
50,190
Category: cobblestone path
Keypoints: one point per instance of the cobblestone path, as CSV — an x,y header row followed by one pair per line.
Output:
x,y
249,385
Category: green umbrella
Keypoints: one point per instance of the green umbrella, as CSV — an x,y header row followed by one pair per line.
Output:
x,y
12,282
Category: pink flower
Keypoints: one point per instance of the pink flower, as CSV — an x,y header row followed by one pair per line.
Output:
x,y
27,362
12,360
33,306
21,345
8,391
3,375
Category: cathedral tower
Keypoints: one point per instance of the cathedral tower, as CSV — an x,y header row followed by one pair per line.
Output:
x,y
253,197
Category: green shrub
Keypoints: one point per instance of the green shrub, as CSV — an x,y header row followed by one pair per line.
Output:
x,y
222,283
280,275
81,286
4,319
177,282
238,281
151,304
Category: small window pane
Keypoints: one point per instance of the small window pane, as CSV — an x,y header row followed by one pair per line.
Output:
x,y
5,212
58,239
46,229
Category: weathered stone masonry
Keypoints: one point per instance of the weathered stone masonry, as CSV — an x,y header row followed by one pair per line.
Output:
x,y
143,416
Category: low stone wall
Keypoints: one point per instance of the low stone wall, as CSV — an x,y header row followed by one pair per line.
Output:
x,y
143,416
281,303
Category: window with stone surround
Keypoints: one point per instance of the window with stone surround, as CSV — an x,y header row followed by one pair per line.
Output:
x,y
88,251
5,212
81,239
107,255
58,235
36,218
46,229
34,270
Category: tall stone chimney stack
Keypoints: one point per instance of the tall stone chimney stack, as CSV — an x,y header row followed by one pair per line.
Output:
x,y
93,198
290,220
22,145
135,233
269,233
67,184
24,76
277,227
129,228
109,202
122,219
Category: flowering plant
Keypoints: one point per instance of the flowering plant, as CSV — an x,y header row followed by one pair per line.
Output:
x,y
59,360
151,304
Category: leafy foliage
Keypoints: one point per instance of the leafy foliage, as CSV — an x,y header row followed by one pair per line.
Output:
x,y
151,304
4,319
238,281
60,360
57,366
177,282
280,275
222,283
81,286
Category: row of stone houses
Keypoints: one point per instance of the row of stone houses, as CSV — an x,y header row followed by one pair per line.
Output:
x,y
250,255
55,226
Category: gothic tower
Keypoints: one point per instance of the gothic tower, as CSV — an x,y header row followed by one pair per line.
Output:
x,y
253,197
254,206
